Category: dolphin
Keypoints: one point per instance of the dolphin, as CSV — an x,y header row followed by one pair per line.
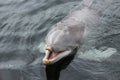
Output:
x,y
62,39
86,21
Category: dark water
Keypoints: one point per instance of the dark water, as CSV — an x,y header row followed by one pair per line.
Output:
x,y
24,25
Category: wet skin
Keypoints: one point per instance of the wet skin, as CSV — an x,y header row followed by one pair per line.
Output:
x,y
61,42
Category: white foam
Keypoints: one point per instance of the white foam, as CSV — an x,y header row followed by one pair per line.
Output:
x,y
12,64
41,47
97,55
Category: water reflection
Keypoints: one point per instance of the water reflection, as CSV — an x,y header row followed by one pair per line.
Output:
x,y
53,71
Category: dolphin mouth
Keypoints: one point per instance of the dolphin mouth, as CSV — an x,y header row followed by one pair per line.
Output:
x,y
50,57
54,55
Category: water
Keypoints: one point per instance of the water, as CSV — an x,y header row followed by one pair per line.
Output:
x,y
23,27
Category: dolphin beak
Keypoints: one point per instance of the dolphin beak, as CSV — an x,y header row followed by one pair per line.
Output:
x,y
46,57
51,57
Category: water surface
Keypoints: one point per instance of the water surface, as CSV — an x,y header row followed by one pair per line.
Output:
x,y
24,25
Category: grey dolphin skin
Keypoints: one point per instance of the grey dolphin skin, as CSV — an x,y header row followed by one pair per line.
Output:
x,y
73,30
62,40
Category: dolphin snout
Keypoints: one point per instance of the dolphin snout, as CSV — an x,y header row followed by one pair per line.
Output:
x,y
51,57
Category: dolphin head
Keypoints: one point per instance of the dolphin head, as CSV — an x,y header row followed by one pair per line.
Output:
x,y
61,42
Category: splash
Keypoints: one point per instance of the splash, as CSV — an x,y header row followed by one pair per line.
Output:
x,y
97,55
